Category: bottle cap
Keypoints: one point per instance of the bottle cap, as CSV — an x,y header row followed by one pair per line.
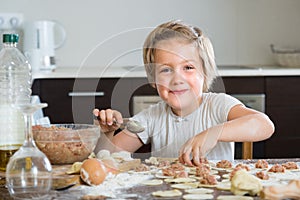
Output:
x,y
10,38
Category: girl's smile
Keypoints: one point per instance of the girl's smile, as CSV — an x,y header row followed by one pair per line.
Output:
x,y
178,92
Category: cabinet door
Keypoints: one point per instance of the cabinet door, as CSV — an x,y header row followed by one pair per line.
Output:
x,y
283,107
72,100
55,93
88,94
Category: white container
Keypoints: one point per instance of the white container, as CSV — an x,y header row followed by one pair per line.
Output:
x,y
41,39
286,57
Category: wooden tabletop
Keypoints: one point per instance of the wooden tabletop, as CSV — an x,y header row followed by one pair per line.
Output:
x,y
136,192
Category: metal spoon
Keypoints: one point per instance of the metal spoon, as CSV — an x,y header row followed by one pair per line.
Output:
x,y
132,125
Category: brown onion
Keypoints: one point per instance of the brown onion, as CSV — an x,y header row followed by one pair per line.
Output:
x,y
93,171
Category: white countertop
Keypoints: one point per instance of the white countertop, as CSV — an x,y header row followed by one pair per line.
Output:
x,y
115,72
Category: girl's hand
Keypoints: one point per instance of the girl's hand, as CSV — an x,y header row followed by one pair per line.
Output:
x,y
199,146
107,119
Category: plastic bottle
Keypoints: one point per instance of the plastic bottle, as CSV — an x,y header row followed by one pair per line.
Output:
x,y
15,88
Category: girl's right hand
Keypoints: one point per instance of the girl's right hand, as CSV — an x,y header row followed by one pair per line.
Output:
x,y
109,120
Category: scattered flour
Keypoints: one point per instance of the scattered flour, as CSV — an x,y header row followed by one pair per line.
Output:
x,y
113,183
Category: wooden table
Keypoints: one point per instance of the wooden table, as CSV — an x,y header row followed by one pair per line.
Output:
x,y
136,192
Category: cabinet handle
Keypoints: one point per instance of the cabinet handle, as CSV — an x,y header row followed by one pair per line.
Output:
x,y
86,94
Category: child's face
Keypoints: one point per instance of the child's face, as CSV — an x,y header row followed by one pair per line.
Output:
x,y
179,75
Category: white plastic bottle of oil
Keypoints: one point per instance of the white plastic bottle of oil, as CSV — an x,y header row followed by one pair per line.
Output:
x,y
15,88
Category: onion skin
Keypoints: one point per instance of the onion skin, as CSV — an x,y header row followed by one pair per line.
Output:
x,y
93,171
111,166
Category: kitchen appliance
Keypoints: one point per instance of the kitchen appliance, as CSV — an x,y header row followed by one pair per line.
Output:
x,y
41,39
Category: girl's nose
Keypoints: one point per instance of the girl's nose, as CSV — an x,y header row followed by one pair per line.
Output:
x,y
177,77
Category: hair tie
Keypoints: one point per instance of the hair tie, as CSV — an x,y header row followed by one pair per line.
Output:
x,y
200,39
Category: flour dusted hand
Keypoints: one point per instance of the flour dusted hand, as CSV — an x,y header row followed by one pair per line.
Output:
x,y
199,146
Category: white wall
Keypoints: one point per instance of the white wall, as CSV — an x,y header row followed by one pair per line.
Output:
x,y
114,30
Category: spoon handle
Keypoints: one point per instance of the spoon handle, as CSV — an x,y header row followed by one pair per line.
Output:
x,y
129,124
125,120
124,124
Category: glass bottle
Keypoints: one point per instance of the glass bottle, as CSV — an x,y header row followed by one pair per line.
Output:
x,y
15,88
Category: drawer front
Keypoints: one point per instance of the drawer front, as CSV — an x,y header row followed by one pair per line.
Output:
x,y
239,85
88,94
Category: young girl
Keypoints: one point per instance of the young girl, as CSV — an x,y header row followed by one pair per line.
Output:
x,y
190,123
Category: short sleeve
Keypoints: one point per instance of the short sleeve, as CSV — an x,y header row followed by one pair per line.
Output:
x,y
222,104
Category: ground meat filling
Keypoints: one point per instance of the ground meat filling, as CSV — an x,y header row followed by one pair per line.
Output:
x,y
176,170
277,168
208,179
262,164
164,163
262,175
290,165
202,170
177,166
243,166
61,148
224,164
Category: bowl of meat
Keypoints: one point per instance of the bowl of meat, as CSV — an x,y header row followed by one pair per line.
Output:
x,y
66,143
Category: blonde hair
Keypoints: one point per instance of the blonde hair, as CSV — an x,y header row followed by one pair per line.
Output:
x,y
178,29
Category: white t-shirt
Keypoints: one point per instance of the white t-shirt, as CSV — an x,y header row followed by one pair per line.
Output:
x,y
168,132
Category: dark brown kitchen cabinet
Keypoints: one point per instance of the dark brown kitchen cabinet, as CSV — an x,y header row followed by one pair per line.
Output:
x,y
283,107
68,102
239,85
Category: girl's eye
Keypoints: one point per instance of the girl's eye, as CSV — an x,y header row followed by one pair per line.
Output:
x,y
189,67
165,70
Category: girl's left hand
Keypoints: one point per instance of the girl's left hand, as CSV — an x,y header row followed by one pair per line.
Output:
x,y
199,146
